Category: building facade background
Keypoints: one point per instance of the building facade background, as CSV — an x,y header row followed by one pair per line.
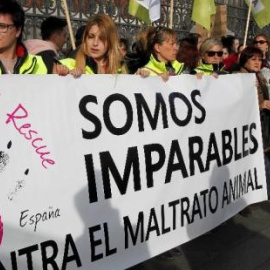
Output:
x,y
81,10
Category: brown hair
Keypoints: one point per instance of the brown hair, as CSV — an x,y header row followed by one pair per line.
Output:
x,y
265,37
248,53
189,55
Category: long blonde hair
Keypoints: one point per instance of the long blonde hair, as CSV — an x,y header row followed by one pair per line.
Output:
x,y
110,35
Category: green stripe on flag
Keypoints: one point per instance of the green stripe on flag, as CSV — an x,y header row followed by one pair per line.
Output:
x,y
139,11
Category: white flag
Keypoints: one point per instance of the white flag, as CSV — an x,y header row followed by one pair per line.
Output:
x,y
145,10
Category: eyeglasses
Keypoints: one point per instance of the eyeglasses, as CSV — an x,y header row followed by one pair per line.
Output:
x,y
259,41
213,53
4,27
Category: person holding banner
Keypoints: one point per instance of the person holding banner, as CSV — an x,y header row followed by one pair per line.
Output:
x,y
211,58
162,44
14,58
251,62
99,51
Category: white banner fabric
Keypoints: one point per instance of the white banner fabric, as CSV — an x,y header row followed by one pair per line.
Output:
x,y
104,172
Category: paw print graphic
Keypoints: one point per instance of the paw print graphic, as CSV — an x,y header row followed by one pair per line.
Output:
x,y
4,158
20,184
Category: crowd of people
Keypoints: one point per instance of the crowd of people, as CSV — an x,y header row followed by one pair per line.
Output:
x,y
156,51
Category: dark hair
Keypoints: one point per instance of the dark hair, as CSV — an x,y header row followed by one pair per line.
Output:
x,y
248,53
187,41
228,43
15,10
193,38
124,41
79,35
51,25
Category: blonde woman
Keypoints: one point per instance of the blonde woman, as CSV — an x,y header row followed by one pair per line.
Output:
x,y
99,51
211,58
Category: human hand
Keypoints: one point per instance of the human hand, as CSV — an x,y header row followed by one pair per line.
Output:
x,y
266,104
76,72
165,76
142,72
199,75
215,75
59,69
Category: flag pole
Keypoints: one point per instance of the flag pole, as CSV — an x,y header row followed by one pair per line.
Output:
x,y
171,14
247,24
69,24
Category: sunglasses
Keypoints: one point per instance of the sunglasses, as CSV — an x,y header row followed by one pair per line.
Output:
x,y
259,41
213,53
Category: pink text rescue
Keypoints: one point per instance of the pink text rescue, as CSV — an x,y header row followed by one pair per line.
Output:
x,y
17,117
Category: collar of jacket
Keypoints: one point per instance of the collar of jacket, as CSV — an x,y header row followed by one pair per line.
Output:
x,y
210,68
213,67
90,62
161,66
21,54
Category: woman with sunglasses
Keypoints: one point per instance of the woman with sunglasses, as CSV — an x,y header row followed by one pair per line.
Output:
x,y
211,58
262,42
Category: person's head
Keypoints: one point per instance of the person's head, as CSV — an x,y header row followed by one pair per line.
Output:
x,y
240,48
262,42
225,53
231,43
100,42
163,44
196,38
235,45
11,24
55,30
189,55
123,46
251,59
211,51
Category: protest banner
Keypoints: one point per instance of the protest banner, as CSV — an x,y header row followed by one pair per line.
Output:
x,y
104,172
